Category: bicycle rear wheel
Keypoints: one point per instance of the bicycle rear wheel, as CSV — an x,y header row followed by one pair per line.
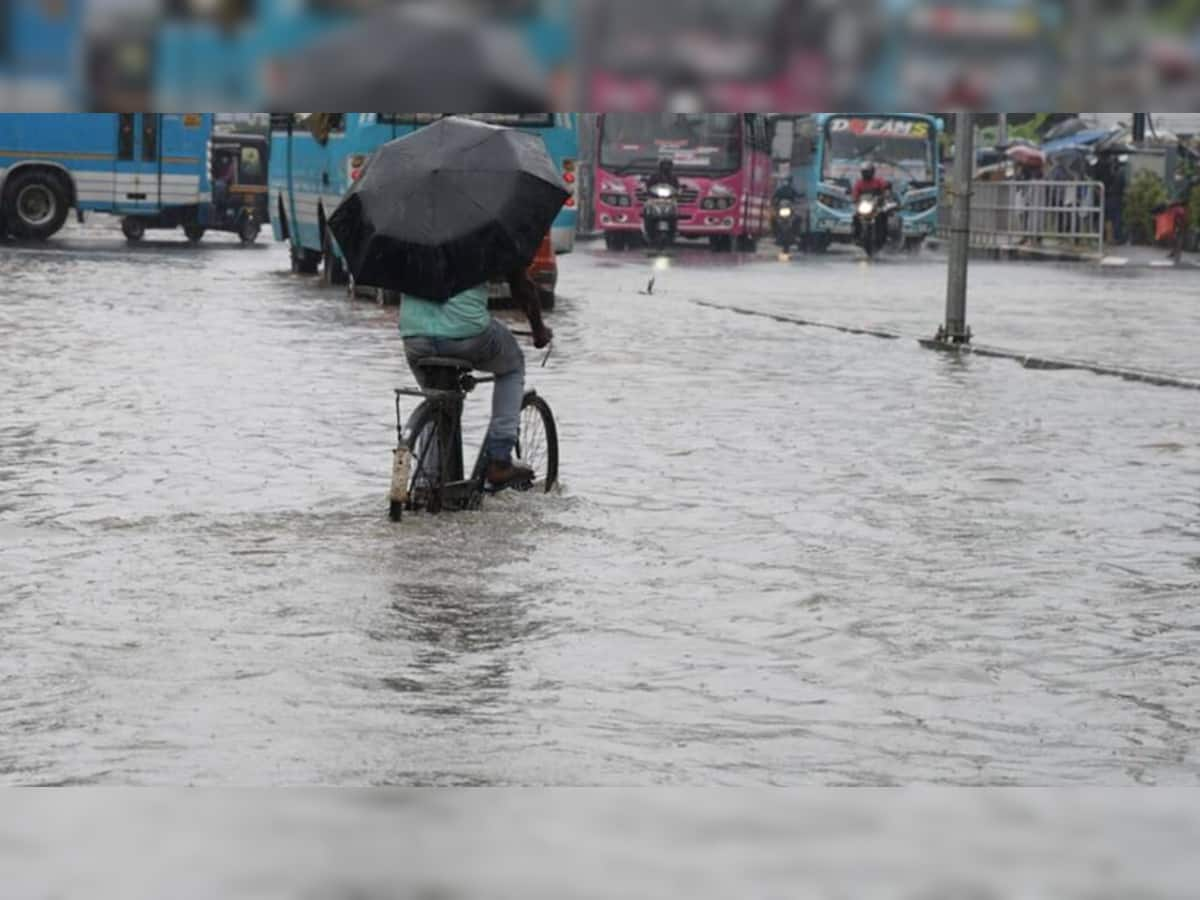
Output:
x,y
537,442
436,457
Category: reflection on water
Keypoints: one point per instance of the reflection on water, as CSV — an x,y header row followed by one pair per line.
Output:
x,y
780,555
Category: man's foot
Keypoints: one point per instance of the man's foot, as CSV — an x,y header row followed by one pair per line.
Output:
x,y
501,475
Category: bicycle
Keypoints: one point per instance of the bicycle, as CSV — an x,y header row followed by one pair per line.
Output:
x,y
428,470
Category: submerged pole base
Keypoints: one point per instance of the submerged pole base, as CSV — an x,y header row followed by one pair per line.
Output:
x,y
947,335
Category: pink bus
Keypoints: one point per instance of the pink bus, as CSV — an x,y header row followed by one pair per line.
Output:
x,y
723,161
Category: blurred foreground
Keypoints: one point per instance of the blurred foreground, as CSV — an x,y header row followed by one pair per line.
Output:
x,y
572,845
599,55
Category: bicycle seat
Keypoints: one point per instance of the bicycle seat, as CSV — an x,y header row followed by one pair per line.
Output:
x,y
444,362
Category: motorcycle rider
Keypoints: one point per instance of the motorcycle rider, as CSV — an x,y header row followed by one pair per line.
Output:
x,y
785,193
664,175
869,183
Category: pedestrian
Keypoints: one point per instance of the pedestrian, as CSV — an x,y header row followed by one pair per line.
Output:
x,y
1112,176
1060,197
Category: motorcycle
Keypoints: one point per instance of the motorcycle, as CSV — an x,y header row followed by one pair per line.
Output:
x,y
877,223
660,216
787,225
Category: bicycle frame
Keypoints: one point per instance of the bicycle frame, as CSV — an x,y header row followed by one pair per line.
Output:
x,y
446,406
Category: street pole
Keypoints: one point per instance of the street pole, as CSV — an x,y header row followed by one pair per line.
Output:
x,y
1001,129
955,330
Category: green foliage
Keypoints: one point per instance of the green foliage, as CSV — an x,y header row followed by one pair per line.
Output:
x,y
1194,207
1146,192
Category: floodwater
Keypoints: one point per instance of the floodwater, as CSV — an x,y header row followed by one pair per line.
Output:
x,y
780,556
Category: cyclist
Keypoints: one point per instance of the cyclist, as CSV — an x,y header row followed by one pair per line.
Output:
x,y
462,328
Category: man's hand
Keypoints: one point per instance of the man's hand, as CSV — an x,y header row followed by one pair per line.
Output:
x,y
526,294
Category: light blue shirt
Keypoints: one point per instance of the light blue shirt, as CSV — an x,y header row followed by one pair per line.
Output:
x,y
464,315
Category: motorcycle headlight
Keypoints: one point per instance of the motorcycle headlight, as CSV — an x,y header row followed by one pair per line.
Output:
x,y
785,212
662,191
865,207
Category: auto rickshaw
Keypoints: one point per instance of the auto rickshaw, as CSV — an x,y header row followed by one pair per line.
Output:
x,y
238,174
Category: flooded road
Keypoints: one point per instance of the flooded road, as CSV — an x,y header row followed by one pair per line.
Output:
x,y
780,555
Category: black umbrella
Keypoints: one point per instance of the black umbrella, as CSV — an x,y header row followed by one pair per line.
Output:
x,y
414,60
448,207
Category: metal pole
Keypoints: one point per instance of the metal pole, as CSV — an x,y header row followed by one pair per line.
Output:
x,y
1001,129
955,330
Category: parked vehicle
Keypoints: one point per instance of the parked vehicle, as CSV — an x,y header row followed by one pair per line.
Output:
x,y
131,164
314,158
544,272
238,172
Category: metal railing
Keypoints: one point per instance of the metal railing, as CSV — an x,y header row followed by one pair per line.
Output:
x,y
1059,217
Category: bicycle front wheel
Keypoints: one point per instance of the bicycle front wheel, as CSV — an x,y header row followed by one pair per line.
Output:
x,y
537,443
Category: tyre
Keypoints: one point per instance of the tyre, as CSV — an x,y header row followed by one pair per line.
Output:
x,y
537,442
134,229
35,205
194,232
430,442
248,231
548,298
722,243
304,262
333,273
614,240
746,244
913,245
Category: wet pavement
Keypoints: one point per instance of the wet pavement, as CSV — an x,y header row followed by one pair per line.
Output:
x,y
779,556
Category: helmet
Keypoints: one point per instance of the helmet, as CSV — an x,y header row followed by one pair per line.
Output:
x,y
868,172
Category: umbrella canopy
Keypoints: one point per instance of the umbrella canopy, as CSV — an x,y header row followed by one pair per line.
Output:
x,y
413,60
1025,155
448,207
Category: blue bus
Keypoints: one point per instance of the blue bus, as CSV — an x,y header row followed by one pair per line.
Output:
x,y
830,149
128,164
315,156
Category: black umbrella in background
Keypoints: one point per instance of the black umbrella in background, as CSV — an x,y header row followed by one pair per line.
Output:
x,y
414,60
448,207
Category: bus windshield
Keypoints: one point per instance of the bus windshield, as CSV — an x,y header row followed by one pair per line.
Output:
x,y
901,149
632,142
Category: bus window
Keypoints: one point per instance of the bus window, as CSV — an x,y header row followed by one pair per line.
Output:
x,y
125,136
250,170
149,137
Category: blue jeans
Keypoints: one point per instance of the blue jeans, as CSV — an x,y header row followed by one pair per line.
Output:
x,y
496,351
